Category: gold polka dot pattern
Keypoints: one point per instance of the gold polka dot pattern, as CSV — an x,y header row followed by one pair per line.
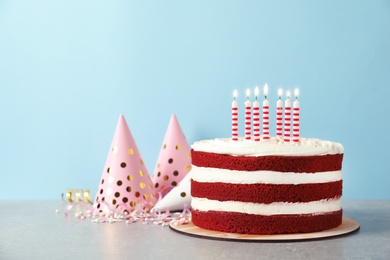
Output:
x,y
124,176
174,161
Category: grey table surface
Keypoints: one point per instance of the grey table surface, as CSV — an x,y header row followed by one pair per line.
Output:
x,y
33,230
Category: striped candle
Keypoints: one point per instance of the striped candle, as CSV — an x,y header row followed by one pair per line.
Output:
x,y
248,112
296,117
265,114
256,117
235,117
287,118
279,115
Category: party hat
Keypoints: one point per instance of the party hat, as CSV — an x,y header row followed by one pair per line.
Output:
x,y
125,180
174,160
177,197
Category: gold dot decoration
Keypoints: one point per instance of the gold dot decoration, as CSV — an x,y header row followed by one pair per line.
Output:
x,y
189,155
142,185
128,189
170,160
123,165
178,147
150,187
114,149
130,151
113,202
183,194
146,196
108,170
141,161
175,173
130,177
164,146
132,204
158,165
188,168
141,173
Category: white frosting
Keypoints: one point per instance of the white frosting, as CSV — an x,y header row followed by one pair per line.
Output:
x,y
276,208
203,174
274,146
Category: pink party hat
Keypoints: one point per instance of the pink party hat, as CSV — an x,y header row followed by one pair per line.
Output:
x,y
174,160
125,180
178,197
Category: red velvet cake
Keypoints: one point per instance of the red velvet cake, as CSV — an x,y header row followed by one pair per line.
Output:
x,y
266,187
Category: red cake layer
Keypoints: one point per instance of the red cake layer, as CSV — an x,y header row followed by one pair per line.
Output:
x,y
266,193
259,224
308,164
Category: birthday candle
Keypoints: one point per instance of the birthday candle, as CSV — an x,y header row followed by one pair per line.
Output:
x,y
256,117
265,114
279,115
235,117
296,117
248,106
287,118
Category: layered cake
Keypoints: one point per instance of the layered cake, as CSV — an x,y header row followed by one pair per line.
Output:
x,y
266,187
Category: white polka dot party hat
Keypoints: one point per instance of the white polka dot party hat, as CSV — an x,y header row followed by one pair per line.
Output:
x,y
174,160
125,181
178,197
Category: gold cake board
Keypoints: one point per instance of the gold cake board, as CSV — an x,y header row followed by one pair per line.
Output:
x,y
347,226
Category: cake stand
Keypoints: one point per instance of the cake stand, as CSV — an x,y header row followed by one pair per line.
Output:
x,y
347,226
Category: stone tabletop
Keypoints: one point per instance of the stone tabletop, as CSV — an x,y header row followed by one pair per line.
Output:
x,y
33,230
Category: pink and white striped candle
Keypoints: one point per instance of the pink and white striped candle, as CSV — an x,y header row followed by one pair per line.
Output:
x,y
287,118
235,117
256,117
248,115
296,117
265,114
279,115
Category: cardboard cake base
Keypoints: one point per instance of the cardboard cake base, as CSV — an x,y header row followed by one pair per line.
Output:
x,y
347,226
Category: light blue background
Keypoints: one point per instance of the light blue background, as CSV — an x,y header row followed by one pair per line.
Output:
x,y
68,69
